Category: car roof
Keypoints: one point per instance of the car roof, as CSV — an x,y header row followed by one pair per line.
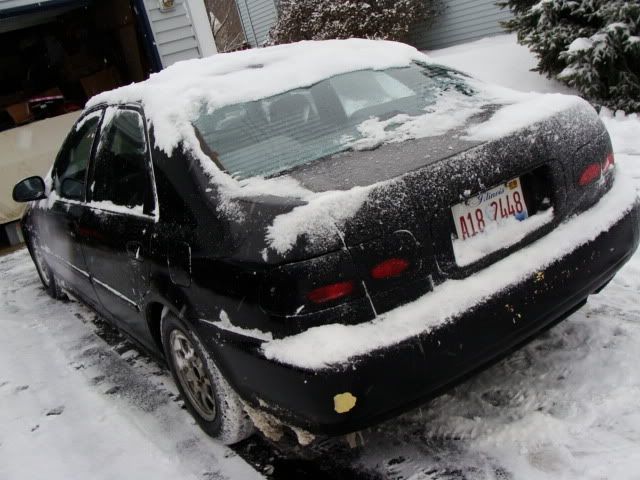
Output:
x,y
173,97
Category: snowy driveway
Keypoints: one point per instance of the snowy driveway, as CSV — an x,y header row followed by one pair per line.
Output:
x,y
74,406
79,402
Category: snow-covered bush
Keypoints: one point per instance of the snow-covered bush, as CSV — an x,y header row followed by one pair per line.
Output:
x,y
591,45
328,19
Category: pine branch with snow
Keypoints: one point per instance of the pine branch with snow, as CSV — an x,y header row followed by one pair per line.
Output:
x,y
591,45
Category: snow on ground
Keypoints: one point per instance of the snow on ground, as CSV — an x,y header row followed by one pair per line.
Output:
x,y
499,60
623,129
72,408
566,406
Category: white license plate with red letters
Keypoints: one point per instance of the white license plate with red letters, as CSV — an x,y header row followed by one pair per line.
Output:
x,y
474,215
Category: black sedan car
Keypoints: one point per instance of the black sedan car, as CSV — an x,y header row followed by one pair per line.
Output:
x,y
318,237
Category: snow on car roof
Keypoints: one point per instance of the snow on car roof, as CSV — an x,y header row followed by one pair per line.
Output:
x,y
172,97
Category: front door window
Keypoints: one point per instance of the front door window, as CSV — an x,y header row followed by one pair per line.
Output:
x,y
69,173
121,167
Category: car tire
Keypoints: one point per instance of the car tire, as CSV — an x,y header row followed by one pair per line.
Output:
x,y
47,277
207,395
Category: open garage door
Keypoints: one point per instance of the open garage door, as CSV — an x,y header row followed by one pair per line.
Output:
x,y
54,56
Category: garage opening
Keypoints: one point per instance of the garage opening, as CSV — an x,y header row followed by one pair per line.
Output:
x,y
53,59
54,56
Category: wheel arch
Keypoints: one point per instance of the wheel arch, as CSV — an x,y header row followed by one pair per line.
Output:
x,y
154,310
153,315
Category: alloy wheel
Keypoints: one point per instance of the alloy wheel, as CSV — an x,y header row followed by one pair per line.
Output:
x,y
192,375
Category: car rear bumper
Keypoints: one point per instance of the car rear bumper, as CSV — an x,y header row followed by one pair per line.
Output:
x,y
392,380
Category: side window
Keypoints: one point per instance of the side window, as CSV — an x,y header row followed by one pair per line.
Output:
x,y
120,170
71,165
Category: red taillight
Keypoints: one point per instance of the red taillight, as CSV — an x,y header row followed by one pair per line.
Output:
x,y
590,174
609,163
389,268
330,292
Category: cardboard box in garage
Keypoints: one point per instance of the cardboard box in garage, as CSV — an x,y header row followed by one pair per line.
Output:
x,y
101,81
20,113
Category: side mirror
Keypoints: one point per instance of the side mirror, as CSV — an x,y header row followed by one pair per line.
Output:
x,y
72,189
28,190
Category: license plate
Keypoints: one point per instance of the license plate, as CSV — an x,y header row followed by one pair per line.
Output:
x,y
489,207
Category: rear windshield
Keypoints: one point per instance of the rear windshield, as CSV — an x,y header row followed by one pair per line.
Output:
x,y
272,135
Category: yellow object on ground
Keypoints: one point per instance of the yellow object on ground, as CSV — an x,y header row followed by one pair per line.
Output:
x,y
343,402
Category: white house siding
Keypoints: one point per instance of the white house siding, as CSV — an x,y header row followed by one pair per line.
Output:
x,y
173,32
258,16
459,22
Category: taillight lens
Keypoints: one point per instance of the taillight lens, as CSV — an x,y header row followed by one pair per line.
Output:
x,y
590,174
390,268
609,163
331,292
309,286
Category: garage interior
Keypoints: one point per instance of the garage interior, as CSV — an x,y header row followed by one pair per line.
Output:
x,y
53,59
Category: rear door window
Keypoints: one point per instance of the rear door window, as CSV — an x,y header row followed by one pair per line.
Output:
x,y
121,171
74,158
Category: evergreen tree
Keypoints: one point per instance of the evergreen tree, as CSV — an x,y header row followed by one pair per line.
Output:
x,y
326,19
591,45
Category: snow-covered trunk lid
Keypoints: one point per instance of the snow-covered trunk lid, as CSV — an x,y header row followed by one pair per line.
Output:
x,y
410,217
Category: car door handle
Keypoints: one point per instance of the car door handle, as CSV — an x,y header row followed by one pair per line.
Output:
x,y
134,251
